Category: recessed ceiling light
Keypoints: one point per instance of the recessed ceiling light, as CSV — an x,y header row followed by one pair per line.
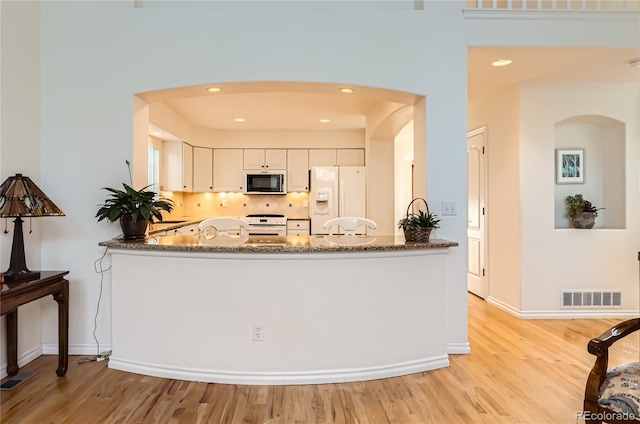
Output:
x,y
214,89
347,90
501,62
324,121
239,119
635,63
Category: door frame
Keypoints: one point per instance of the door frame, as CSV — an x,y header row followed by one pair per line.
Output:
x,y
485,228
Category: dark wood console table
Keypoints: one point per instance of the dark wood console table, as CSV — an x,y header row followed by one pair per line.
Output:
x,y
18,293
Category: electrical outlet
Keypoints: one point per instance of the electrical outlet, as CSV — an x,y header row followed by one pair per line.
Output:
x,y
223,203
258,332
449,207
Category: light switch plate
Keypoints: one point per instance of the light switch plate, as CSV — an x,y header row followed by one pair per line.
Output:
x,y
449,207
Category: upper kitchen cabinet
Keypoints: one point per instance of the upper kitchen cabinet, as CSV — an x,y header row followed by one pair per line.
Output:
x,y
350,157
228,170
333,157
322,157
178,166
298,170
265,159
202,169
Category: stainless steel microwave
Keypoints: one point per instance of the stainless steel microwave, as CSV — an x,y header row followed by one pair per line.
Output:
x,y
265,182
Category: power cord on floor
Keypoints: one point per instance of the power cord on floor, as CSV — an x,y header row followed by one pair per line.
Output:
x,y
100,356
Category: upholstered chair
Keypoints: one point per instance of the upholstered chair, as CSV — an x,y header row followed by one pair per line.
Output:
x,y
612,395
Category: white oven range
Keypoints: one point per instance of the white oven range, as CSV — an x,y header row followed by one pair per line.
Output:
x,y
267,224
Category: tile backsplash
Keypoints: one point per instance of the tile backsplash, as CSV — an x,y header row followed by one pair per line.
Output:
x,y
238,204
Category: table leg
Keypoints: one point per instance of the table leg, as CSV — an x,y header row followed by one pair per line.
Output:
x,y
62,297
12,343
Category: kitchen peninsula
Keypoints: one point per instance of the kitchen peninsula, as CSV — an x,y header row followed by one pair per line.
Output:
x,y
278,310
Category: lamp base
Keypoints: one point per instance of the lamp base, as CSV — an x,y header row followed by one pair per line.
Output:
x,y
18,270
11,276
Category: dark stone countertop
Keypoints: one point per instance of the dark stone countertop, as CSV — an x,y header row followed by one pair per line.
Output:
x,y
271,244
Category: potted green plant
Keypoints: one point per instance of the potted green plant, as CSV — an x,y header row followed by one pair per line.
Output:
x,y
582,213
418,226
133,208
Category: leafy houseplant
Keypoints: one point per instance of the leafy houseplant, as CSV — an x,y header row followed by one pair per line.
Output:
x,y
418,226
133,208
581,212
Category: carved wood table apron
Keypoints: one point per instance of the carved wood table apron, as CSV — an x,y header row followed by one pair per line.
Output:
x,y
18,293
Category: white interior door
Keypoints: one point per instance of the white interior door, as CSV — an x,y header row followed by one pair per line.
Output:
x,y
476,218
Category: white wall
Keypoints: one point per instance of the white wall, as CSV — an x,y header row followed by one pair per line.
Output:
x,y
556,259
529,261
20,153
89,81
403,161
614,180
96,55
500,115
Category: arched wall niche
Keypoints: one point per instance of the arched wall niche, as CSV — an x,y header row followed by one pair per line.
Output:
x,y
602,141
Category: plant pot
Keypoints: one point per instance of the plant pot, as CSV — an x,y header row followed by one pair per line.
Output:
x,y
421,235
583,220
133,230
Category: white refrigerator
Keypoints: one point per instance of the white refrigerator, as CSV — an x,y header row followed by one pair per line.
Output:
x,y
336,191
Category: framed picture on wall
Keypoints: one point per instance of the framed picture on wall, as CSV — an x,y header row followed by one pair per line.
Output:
x,y
569,166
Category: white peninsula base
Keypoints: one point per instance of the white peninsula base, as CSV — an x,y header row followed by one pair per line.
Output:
x,y
326,316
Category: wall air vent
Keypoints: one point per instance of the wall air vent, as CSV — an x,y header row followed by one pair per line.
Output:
x,y
591,298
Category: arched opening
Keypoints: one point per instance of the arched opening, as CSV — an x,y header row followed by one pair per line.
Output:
x,y
316,121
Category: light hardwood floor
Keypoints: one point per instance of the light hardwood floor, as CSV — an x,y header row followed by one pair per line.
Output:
x,y
519,371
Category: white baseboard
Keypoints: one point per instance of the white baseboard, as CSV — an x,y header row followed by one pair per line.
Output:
x,y
52,349
280,378
583,313
23,359
575,314
503,306
458,348
76,349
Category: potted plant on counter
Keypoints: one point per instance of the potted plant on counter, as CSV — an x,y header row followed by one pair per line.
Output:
x,y
133,208
418,226
581,212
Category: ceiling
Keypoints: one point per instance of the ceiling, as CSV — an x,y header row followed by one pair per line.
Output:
x,y
287,105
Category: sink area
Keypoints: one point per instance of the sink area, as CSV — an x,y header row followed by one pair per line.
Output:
x,y
275,241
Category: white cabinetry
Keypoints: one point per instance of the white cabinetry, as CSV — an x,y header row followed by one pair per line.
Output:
x,y
322,157
298,170
265,159
333,157
298,227
202,169
178,166
228,174
350,157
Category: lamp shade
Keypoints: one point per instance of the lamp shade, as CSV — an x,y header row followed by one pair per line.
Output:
x,y
19,196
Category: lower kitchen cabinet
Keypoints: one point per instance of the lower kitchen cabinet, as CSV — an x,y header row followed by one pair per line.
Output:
x,y
298,227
